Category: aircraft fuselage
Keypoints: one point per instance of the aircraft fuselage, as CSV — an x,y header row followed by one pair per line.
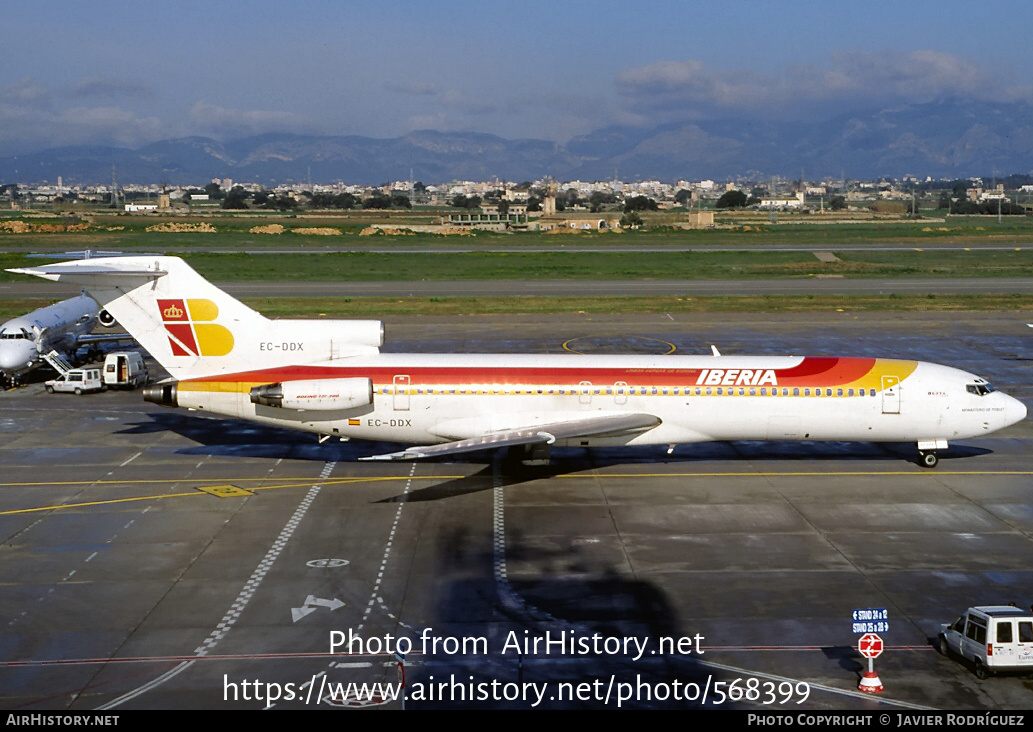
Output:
x,y
57,327
435,398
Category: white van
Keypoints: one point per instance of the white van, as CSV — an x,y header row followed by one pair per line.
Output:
x,y
76,380
994,637
125,368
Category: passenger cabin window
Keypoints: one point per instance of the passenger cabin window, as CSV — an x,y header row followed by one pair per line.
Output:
x,y
979,389
1004,634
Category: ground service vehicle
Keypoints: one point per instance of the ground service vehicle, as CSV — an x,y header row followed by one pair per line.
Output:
x,y
994,637
77,381
125,368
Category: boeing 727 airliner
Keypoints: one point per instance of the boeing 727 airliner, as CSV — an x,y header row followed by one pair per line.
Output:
x,y
329,378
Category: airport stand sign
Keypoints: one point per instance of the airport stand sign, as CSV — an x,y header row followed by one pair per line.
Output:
x,y
870,620
870,645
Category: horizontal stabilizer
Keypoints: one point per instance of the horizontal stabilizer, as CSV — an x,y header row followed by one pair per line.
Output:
x,y
598,426
65,272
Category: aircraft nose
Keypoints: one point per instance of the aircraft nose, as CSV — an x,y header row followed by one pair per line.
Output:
x,y
1016,411
8,358
14,357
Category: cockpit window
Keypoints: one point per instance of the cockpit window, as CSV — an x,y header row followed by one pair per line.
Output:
x,y
979,389
12,335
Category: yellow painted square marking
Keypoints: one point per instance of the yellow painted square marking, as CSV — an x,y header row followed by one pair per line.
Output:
x,y
224,491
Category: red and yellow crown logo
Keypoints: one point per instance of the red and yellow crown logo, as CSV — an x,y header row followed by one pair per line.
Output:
x,y
191,330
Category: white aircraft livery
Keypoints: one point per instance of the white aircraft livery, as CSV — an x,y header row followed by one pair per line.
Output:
x,y
64,327
329,378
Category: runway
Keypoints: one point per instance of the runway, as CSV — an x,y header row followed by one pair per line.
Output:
x,y
155,559
583,288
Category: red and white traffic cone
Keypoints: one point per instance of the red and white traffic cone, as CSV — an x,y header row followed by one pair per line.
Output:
x,y
870,682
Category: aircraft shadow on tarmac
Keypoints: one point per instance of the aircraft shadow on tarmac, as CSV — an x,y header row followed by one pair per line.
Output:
x,y
229,437
558,587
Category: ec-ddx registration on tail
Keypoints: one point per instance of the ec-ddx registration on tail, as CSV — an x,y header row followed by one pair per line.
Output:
x,y
328,377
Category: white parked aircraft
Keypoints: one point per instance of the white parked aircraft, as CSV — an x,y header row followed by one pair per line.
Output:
x,y
329,378
59,329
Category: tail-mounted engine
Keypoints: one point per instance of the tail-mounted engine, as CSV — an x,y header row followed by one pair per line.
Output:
x,y
322,395
106,319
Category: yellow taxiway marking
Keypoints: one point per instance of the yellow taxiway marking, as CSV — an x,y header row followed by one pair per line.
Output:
x,y
221,489
671,347
205,490
224,491
308,482
803,474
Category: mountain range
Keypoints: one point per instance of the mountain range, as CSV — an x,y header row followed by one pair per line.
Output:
x,y
943,138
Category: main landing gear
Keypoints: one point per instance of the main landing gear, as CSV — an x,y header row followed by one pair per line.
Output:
x,y
535,455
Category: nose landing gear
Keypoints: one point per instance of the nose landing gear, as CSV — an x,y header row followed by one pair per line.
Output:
x,y
927,455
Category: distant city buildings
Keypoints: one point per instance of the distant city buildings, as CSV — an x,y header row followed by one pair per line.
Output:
x,y
542,197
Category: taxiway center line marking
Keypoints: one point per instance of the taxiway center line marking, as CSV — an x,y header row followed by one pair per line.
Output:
x,y
593,476
395,478
230,618
806,474
292,482
129,499
58,507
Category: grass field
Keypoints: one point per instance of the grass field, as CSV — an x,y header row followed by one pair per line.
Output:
x,y
456,306
386,266
485,256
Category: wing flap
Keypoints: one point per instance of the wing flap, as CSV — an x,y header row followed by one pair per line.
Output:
x,y
609,425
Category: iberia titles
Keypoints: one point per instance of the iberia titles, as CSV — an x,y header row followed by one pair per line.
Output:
x,y
737,377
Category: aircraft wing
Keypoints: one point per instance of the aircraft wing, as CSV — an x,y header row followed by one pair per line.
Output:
x,y
597,426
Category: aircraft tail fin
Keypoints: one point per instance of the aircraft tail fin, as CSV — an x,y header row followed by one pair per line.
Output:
x,y
193,328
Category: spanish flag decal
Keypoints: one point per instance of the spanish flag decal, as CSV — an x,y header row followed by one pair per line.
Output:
x,y
191,330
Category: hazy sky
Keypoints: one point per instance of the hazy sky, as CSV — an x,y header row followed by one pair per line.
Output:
x,y
127,74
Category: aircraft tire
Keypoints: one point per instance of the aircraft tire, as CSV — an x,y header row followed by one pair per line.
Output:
x,y
929,459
